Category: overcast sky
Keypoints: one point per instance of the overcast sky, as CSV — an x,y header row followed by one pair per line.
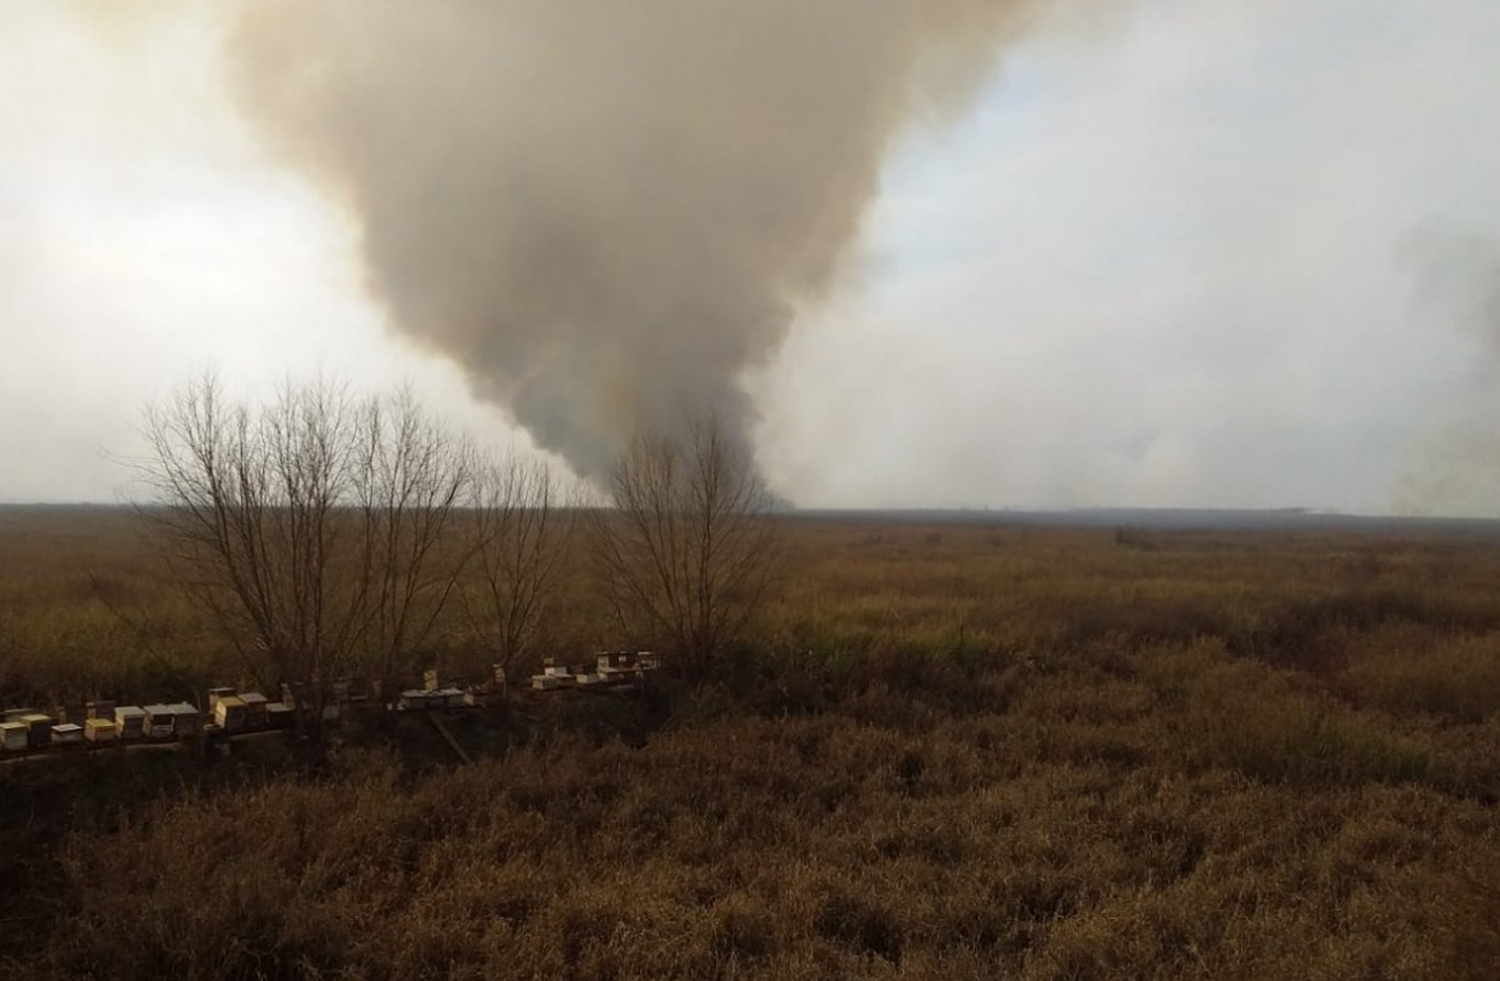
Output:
x,y
1198,253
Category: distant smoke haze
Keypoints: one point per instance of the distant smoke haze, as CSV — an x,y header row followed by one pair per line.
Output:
x,y
1457,277
606,212
1454,465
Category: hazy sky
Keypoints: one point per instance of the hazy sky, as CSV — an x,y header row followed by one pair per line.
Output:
x,y
1195,253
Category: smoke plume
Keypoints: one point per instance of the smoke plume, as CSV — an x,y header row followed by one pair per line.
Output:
x,y
606,212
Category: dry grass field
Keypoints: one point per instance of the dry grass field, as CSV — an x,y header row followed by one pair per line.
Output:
x,y
951,751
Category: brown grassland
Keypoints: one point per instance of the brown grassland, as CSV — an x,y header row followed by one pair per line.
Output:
x,y
957,751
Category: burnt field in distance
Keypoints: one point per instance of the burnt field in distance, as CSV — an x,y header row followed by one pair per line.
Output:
x,y
990,747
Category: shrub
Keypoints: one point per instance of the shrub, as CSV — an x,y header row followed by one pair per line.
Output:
x,y
1457,679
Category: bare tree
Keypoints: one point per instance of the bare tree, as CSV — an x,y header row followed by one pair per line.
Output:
x,y
687,551
410,480
311,527
521,533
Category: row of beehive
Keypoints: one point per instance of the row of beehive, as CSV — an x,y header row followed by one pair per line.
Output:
x,y
232,711
611,668
438,692
445,697
104,722
97,722
235,711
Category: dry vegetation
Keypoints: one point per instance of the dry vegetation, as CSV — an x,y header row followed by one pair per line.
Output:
x,y
952,751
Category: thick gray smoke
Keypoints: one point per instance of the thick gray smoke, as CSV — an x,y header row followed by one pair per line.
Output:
x,y
606,211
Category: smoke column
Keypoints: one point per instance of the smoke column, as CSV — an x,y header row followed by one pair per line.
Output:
x,y
605,212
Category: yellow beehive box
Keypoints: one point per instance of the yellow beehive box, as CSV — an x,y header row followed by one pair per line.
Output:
x,y
100,731
231,714
214,695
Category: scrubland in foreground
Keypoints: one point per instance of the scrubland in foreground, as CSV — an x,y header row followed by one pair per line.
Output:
x,y
966,751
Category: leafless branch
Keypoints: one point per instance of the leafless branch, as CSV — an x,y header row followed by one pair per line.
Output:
x,y
686,552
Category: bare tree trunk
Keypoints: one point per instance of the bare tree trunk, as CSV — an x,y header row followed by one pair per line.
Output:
x,y
411,484
521,533
687,551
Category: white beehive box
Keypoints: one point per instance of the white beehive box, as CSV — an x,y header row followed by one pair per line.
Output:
x,y
448,698
132,721
616,673
100,731
617,660
545,682
14,736
415,698
67,734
